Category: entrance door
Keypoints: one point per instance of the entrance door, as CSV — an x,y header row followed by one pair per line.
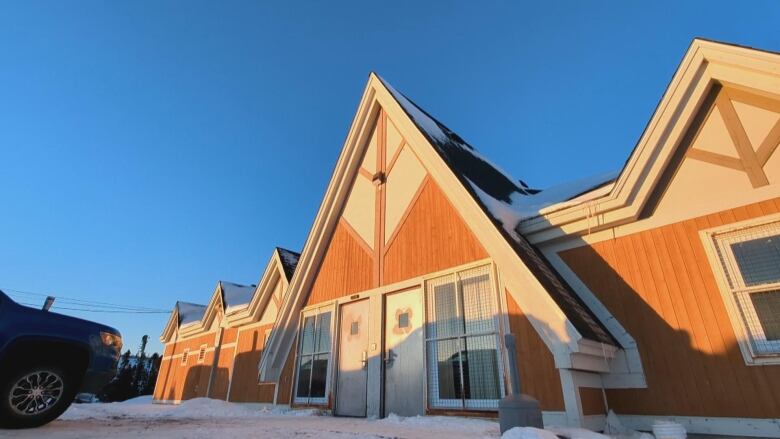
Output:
x,y
403,356
353,360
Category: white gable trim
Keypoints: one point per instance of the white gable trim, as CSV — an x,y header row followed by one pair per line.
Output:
x,y
705,64
171,327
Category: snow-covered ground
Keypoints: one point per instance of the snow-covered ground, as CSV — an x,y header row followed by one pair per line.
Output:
x,y
210,419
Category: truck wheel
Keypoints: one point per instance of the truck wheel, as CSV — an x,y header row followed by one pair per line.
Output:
x,y
31,396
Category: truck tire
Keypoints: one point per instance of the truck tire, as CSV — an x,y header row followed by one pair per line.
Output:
x,y
35,394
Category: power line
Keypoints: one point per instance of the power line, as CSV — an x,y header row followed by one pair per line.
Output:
x,y
92,305
94,310
110,311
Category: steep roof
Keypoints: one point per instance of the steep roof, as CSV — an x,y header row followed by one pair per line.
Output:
x,y
236,295
289,261
189,312
504,199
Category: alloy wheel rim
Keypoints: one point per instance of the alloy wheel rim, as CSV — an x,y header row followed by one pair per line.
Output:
x,y
36,392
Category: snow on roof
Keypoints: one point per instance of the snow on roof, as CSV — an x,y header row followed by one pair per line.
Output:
x,y
189,312
507,201
289,261
566,194
236,295
462,157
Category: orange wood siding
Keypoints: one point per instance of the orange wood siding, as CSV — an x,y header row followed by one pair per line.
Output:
x,y
229,335
538,374
176,381
193,378
660,286
193,344
592,400
162,379
249,350
286,379
346,268
221,374
169,349
432,237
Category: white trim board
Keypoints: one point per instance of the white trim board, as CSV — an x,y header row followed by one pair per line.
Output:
x,y
749,427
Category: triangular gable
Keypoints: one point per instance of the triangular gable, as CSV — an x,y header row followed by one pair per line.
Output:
x,y
185,315
237,304
706,66
270,290
452,168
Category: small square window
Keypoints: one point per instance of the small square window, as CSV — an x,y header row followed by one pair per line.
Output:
x,y
354,328
403,320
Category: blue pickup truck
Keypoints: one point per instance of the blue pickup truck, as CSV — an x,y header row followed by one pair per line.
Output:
x,y
46,359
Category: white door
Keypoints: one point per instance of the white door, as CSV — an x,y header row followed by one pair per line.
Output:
x,y
353,360
403,353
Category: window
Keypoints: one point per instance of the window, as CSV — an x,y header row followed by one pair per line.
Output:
x,y
463,366
747,256
313,358
202,354
403,320
184,357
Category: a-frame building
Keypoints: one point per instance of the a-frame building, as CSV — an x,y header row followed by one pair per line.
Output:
x,y
652,291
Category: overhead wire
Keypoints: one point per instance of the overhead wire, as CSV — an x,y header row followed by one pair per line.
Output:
x,y
85,305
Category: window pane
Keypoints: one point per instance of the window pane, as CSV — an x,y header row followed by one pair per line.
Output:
x,y
323,332
319,375
767,306
304,372
307,342
758,260
478,304
480,368
444,370
447,322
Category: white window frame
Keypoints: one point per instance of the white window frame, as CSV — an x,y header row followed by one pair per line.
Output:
x,y
436,403
202,353
717,242
184,355
328,372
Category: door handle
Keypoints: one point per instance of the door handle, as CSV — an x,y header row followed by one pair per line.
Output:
x,y
364,359
390,357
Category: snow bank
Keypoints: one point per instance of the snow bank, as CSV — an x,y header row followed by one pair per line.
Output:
x,y
145,399
200,408
577,433
470,425
528,433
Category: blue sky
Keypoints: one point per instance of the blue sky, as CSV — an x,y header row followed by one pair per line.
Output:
x,y
150,148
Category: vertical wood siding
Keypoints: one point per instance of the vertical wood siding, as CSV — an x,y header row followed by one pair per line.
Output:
x,y
346,268
660,286
221,374
176,381
538,375
162,379
432,237
592,400
286,379
249,350
229,335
